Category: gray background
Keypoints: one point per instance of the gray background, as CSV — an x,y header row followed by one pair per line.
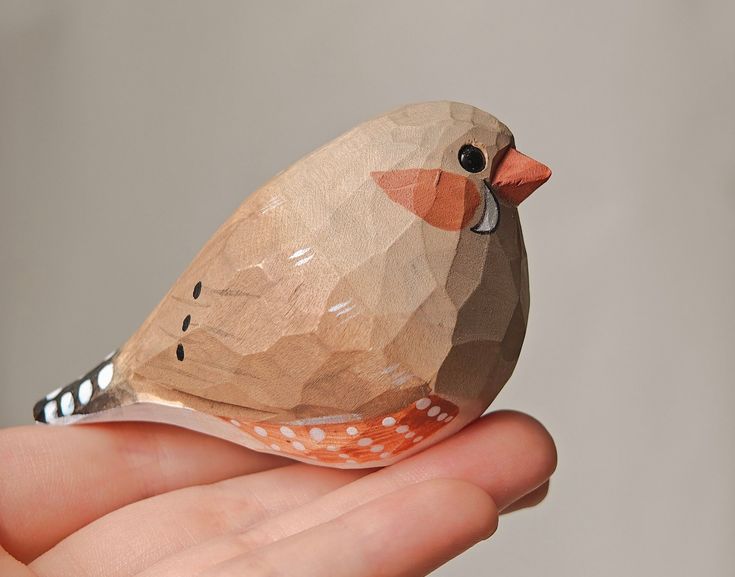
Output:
x,y
130,130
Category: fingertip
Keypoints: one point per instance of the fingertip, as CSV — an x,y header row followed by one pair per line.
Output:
x,y
506,453
468,506
539,445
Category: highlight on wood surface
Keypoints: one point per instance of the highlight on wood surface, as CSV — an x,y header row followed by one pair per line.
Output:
x,y
365,303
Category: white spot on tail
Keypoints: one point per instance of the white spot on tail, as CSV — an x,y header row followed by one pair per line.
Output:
x,y
49,411
85,392
104,377
67,403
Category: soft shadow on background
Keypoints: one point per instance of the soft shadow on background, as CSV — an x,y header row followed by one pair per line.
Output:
x,y
130,130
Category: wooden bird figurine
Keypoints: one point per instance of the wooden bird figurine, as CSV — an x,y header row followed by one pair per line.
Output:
x,y
362,305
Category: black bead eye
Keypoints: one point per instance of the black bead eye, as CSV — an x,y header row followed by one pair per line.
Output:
x,y
471,158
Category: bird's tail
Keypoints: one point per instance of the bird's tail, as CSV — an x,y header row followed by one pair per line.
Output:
x,y
90,393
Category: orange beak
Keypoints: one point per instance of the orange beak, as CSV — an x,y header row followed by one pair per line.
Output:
x,y
517,176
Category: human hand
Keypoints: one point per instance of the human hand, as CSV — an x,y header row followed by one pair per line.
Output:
x,y
147,500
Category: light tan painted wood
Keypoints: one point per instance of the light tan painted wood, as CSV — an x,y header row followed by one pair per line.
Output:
x,y
347,293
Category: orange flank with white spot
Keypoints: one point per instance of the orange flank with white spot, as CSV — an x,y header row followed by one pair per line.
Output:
x,y
356,442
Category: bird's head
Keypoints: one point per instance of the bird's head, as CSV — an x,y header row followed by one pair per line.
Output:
x,y
455,166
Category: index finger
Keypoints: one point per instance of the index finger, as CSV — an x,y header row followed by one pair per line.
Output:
x,y
56,480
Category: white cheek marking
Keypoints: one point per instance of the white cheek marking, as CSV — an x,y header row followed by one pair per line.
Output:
x,y
104,377
433,411
49,411
52,394
288,433
389,422
67,404
402,429
85,392
442,417
351,431
377,448
260,431
298,446
317,434
365,441
275,447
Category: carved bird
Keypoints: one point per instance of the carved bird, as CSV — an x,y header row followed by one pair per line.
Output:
x,y
362,305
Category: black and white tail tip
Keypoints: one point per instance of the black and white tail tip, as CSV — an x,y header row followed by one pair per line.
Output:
x,y
75,397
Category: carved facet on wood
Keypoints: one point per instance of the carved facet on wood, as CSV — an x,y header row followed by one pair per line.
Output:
x,y
365,303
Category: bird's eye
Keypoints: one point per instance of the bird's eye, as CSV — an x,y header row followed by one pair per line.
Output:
x,y
471,158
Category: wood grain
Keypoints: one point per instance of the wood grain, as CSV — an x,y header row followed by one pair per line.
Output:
x,y
347,289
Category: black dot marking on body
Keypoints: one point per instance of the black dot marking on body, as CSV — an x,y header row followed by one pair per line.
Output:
x,y
185,325
180,352
197,290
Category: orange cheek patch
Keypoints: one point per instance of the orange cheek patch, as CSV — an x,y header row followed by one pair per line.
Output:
x,y
443,199
365,441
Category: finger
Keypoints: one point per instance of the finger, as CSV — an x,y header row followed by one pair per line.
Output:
x,y
507,454
58,479
406,533
10,567
534,498
130,539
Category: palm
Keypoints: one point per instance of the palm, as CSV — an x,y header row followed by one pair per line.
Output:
x,y
148,500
